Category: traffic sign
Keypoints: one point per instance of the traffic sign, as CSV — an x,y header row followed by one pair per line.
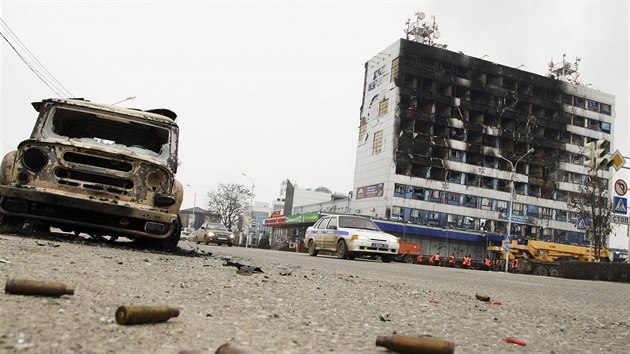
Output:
x,y
621,187
618,219
620,205
617,160
581,223
250,219
506,248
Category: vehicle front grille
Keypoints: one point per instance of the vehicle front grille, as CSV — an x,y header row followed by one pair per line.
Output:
x,y
92,180
90,160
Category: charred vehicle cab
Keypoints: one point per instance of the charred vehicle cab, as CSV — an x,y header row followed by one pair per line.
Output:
x,y
97,169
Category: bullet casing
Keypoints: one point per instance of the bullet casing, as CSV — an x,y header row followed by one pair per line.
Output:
x,y
415,345
126,315
37,287
482,297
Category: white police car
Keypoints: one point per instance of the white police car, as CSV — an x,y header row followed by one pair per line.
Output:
x,y
350,236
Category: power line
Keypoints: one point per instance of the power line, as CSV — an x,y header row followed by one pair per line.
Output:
x,y
58,89
59,84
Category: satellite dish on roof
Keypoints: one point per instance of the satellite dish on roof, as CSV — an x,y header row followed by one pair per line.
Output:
x,y
436,34
421,15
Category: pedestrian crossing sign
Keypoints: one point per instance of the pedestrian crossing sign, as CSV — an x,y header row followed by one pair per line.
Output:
x,y
620,205
581,223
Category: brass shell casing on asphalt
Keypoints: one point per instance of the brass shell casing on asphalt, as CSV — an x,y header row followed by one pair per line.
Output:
x,y
37,287
482,297
126,315
415,345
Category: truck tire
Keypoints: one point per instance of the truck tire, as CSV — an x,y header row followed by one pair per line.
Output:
x,y
170,243
554,272
312,250
342,249
408,259
541,270
387,258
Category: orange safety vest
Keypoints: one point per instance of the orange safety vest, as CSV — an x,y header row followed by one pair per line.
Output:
x,y
437,257
487,262
451,259
431,259
515,264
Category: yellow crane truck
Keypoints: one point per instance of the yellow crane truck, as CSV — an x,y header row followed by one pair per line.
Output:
x,y
543,258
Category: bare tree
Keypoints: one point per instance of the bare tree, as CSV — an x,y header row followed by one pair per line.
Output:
x,y
229,201
592,203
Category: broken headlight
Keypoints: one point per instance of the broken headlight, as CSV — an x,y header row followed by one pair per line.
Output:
x,y
34,159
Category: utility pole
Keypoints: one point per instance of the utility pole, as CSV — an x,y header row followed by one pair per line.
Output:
x,y
194,206
251,210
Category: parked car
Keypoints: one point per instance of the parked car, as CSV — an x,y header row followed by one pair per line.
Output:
x,y
349,237
214,232
98,169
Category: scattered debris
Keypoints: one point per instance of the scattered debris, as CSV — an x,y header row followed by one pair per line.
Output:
x,y
4,261
482,297
285,273
384,317
37,287
515,341
126,315
434,302
408,344
242,267
492,302
229,348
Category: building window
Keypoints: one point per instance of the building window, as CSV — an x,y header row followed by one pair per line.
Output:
x,y
377,146
362,130
399,190
395,66
397,213
383,107
486,204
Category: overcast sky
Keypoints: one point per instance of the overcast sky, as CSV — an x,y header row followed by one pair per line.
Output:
x,y
273,89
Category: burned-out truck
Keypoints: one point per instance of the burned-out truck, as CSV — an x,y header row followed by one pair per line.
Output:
x,y
96,169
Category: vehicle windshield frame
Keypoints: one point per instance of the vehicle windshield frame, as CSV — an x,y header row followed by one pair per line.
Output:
x,y
216,226
353,222
161,152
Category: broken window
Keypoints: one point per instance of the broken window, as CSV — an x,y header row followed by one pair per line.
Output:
x,y
452,198
502,206
397,213
399,190
470,201
418,193
486,203
416,215
112,130
377,146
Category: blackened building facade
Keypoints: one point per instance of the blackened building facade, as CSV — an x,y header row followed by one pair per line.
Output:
x,y
440,131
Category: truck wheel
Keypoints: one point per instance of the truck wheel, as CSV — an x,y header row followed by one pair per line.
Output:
x,y
554,272
312,251
387,258
408,259
542,271
342,249
170,243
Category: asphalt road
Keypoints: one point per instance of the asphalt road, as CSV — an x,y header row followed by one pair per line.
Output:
x,y
299,304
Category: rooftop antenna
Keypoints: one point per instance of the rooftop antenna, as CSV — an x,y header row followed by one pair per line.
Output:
x,y
565,70
421,31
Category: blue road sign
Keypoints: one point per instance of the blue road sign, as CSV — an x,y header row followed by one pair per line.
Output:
x,y
506,248
621,205
581,223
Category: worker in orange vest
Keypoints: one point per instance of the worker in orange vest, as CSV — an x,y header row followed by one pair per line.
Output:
x,y
487,263
451,260
467,262
515,265
431,260
437,259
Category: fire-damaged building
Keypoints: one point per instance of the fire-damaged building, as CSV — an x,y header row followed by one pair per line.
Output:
x,y
442,135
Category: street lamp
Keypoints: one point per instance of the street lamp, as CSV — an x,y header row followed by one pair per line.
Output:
x,y
194,206
509,231
251,210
